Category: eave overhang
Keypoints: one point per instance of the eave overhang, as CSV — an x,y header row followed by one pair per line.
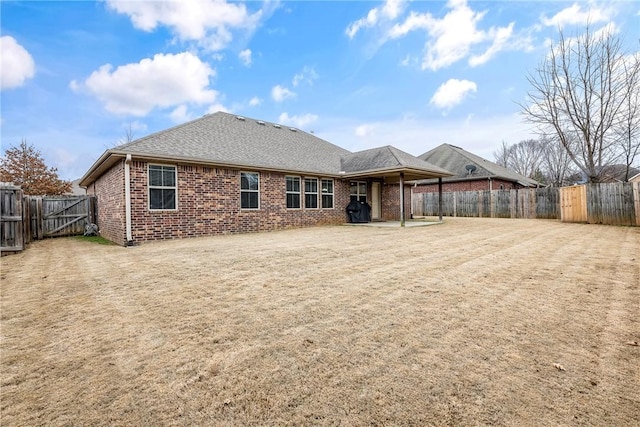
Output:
x,y
111,157
392,175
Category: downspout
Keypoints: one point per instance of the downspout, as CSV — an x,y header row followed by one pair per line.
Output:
x,y
401,199
440,198
127,199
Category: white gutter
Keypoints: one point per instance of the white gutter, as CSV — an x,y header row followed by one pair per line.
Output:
x,y
127,199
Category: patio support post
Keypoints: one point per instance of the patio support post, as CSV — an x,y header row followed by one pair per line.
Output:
x,y
440,198
401,199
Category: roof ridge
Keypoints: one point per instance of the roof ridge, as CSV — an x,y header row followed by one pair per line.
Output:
x,y
391,150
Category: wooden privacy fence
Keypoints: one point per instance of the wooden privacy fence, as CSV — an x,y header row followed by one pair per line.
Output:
x,y
11,229
522,203
27,218
615,203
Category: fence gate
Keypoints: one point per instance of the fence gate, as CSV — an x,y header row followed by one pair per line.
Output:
x,y
573,203
63,215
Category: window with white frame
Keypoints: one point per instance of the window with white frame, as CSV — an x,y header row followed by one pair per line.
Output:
x,y
249,190
162,187
358,191
311,193
327,194
293,192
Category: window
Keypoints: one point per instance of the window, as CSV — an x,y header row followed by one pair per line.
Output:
x,y
311,193
249,190
358,191
327,194
162,187
293,192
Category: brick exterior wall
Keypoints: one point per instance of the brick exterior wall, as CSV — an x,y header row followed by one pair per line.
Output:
x,y
208,203
109,189
472,185
391,202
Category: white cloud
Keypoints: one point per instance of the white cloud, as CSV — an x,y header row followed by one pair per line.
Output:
x,y
280,93
308,75
454,37
576,15
161,82
16,64
245,57
500,38
452,92
297,121
180,114
255,101
217,107
388,12
137,126
206,21
365,130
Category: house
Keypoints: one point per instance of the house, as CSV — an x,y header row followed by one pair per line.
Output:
x,y
76,190
224,173
470,172
635,178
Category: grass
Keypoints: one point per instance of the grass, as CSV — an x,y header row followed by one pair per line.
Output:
x,y
94,239
473,322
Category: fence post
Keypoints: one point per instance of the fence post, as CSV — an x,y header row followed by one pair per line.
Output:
x,y
636,200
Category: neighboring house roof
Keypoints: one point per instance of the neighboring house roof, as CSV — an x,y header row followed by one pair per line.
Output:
x,y
635,178
233,141
461,163
76,190
617,173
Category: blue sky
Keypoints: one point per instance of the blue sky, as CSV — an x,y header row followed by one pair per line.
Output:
x,y
412,74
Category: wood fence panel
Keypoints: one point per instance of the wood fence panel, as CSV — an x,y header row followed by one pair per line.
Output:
x,y
611,203
11,229
27,232
636,197
573,204
467,203
485,203
501,204
547,203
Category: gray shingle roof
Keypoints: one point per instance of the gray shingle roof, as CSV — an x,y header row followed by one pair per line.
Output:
x,y
224,138
387,157
455,160
242,142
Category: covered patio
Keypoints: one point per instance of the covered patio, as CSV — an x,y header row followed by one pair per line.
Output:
x,y
388,165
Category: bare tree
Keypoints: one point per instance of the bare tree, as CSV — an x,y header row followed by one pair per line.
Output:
x,y
628,130
501,155
127,138
578,93
556,163
525,157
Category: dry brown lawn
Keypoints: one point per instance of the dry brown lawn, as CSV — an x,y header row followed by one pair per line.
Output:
x,y
472,322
